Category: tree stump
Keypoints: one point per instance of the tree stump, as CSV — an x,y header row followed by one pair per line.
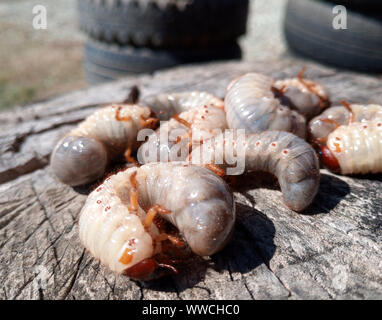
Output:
x,y
332,251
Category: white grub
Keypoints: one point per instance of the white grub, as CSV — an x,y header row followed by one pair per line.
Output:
x,y
197,116
292,160
195,200
256,103
83,154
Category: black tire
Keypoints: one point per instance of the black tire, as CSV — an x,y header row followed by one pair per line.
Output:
x,y
309,32
106,62
358,4
164,24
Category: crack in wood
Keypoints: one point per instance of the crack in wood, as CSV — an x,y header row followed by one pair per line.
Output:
x,y
345,216
43,208
74,276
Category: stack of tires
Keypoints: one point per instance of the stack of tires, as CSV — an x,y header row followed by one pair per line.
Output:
x,y
348,37
128,37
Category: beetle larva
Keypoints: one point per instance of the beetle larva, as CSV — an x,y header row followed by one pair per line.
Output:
x,y
83,154
304,95
292,160
166,105
256,103
117,222
348,138
321,126
175,138
251,105
355,148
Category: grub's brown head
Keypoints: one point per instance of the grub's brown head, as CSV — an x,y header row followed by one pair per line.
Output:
x,y
149,269
328,159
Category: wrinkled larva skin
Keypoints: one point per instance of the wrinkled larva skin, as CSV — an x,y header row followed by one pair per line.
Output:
x,y
251,104
166,105
306,96
341,115
201,205
292,160
203,122
83,154
357,147
79,160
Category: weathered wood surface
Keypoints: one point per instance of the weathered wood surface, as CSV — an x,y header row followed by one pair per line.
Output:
x,y
332,251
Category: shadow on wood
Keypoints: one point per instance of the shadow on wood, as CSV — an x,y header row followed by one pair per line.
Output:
x,y
252,242
331,191
251,245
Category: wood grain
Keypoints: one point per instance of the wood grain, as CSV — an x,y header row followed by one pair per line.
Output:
x,y
332,251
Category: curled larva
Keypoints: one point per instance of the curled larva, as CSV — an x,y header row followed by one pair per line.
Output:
x,y
303,95
83,154
250,104
348,138
321,126
355,148
166,105
118,222
174,139
292,160
256,103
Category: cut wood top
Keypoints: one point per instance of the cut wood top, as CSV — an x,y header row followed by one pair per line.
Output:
x,y
332,251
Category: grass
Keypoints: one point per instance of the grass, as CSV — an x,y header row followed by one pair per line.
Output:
x,y
40,72
34,68
12,94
